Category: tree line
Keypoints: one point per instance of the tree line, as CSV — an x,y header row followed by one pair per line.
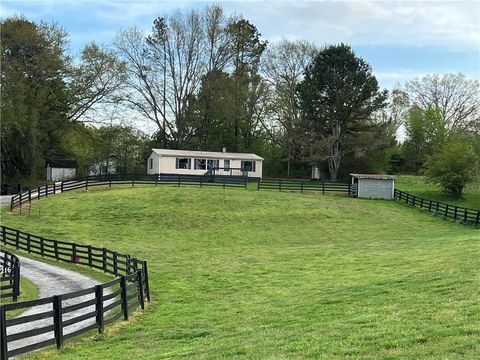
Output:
x,y
207,80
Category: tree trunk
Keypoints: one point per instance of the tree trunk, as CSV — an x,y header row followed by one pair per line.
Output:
x,y
334,160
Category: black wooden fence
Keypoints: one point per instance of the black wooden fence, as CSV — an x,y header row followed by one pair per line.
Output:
x,y
454,212
305,186
58,315
10,275
124,179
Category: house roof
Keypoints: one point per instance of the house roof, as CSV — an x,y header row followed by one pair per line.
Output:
x,y
373,176
206,154
69,164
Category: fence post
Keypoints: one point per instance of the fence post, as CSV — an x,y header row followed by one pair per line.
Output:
x,y
123,286
465,214
323,187
61,187
280,185
42,250
74,252
54,188
446,210
478,219
55,248
3,334
38,193
133,180
110,181
46,190
201,182
16,282
17,239
104,259
258,185
11,203
421,203
350,190
29,195
115,264
28,243
86,183
57,320
178,180
455,212
140,290
430,205
301,187
147,286
438,205
99,307
89,251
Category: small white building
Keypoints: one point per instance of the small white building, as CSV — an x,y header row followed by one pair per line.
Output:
x,y
186,162
61,170
373,186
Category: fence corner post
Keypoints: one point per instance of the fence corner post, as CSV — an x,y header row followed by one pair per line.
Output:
x,y
123,287
57,320
99,307
145,278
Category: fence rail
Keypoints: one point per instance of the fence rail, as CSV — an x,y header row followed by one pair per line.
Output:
x,y
66,315
454,212
124,179
10,275
302,186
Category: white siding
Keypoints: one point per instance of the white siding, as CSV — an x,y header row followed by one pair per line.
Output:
x,y
60,174
167,165
375,188
156,164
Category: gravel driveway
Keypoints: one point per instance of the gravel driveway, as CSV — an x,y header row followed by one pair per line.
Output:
x,y
51,280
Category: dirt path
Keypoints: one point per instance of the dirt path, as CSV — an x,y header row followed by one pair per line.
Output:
x,y
51,280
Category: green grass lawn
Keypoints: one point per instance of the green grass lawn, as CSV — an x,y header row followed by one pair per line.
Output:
x,y
270,275
418,185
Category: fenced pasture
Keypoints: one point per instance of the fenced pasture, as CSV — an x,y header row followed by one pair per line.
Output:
x,y
52,320
454,212
273,274
177,180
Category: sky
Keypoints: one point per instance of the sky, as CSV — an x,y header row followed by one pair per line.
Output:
x,y
401,40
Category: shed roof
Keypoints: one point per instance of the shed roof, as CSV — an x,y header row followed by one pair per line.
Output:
x,y
373,176
206,154
65,164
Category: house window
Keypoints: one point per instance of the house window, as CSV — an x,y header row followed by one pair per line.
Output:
x,y
200,164
248,165
183,163
226,164
151,163
212,164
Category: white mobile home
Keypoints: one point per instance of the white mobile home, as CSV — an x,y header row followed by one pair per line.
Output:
x,y
186,162
373,186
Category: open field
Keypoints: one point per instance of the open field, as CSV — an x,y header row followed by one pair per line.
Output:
x,y
237,273
418,185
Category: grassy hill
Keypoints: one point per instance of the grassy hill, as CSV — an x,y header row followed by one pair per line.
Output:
x,y
418,185
245,274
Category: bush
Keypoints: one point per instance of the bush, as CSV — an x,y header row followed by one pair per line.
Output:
x,y
453,166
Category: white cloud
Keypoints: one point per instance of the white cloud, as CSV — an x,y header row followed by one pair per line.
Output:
x,y
455,24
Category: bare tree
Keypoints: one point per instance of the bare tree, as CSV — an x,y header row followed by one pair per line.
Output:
x,y
457,97
283,66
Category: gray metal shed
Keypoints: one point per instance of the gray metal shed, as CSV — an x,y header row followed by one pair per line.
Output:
x,y
373,186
